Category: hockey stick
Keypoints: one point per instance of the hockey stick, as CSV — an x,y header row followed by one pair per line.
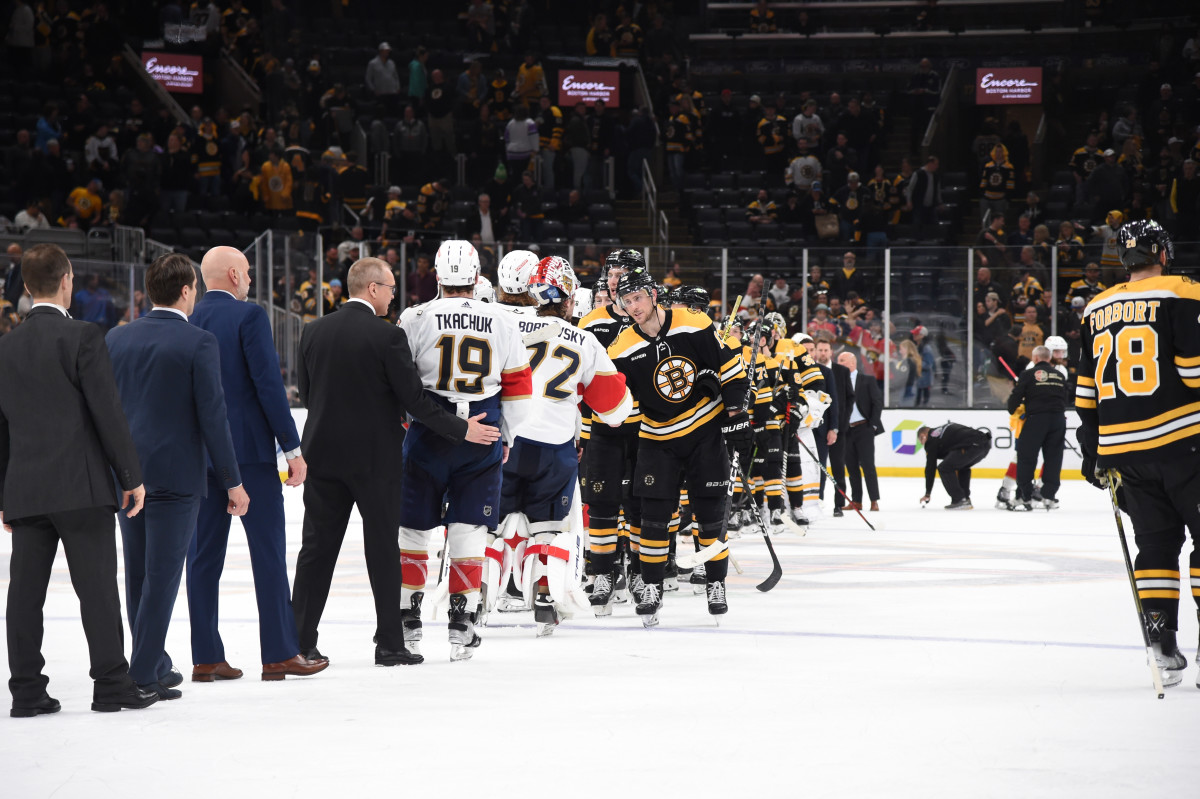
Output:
x,y
1155,674
833,482
776,567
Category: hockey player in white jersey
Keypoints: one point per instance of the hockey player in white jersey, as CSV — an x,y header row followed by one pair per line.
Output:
x,y
471,360
541,476
808,400
512,277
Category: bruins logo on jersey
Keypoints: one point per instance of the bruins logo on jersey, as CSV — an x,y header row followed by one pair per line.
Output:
x,y
674,378
995,179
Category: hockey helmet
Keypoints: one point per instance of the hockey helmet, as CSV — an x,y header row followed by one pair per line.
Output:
x,y
802,338
1056,344
1140,242
583,302
693,297
514,270
626,259
774,322
636,279
484,290
553,281
456,263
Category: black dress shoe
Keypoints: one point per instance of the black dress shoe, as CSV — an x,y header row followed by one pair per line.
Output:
x,y
132,698
47,704
313,654
163,691
173,678
401,657
837,513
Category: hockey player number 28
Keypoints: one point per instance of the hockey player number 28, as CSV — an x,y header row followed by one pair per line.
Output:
x,y
1136,351
554,386
474,359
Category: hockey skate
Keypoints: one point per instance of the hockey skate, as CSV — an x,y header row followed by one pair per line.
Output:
x,y
800,517
1003,500
545,614
621,588
603,594
776,524
649,603
961,504
698,579
463,640
511,600
1020,505
635,586
1170,660
671,576
749,524
717,605
1037,492
1050,504
410,618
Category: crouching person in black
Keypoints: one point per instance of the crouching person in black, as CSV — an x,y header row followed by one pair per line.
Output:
x,y
959,448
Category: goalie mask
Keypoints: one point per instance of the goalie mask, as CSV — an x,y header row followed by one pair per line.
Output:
x,y
775,324
553,281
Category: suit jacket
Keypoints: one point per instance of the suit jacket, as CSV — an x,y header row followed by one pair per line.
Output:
x,y
845,396
474,224
358,380
920,184
869,400
169,376
255,398
62,431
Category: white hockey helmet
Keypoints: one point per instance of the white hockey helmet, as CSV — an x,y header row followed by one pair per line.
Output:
x,y
553,281
484,290
802,338
456,263
1056,344
514,270
583,302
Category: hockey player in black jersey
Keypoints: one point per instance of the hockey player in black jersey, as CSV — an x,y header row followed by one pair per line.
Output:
x,y
608,458
1138,397
690,393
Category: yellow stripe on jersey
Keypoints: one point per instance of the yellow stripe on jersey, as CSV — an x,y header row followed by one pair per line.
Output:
x,y
1146,424
810,376
1150,443
683,424
687,320
1186,362
628,341
1144,573
1084,380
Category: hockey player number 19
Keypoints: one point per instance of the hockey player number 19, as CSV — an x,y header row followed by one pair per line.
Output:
x,y
474,358
554,386
1136,351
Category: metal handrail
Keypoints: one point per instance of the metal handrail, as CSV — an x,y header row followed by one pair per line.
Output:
x,y
649,198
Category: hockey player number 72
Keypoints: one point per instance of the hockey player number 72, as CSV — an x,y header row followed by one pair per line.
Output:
x,y
474,359
1136,350
554,386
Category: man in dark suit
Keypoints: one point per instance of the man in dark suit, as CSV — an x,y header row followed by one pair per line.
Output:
x,y
925,194
862,425
259,417
169,377
62,436
358,380
481,220
831,435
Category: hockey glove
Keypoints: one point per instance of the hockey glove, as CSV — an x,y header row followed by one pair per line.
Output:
x,y
736,430
707,384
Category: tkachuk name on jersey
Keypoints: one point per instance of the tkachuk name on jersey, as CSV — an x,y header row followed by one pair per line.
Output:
x,y
463,321
1124,311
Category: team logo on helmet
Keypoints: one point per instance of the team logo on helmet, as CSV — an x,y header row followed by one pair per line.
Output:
x,y
674,378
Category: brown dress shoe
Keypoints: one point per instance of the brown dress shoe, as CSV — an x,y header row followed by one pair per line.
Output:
x,y
207,672
874,505
298,666
853,506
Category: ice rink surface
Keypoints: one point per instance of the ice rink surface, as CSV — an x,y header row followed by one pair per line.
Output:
x,y
951,654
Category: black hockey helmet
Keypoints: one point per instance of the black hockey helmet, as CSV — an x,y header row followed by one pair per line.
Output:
x,y
694,297
636,280
627,259
1140,242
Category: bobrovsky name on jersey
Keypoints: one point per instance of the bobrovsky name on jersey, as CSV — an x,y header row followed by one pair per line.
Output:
x,y
565,333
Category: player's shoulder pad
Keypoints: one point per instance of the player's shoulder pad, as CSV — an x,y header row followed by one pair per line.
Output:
x,y
687,321
627,342
597,315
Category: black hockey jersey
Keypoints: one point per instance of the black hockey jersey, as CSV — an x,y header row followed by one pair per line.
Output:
x,y
1139,370
674,374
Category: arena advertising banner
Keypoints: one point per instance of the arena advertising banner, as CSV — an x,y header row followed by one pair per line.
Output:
x,y
1008,86
588,86
179,74
899,454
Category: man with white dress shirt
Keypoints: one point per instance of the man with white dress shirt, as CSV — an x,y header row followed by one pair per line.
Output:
x,y
865,422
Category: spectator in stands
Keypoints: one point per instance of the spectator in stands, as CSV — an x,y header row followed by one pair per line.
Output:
x,y
527,199
840,161
411,138
1087,286
521,141
432,202
848,202
481,25
1032,209
1185,202
822,324
602,130
422,282
677,139
355,242
243,186
1023,235
1108,185
382,78
599,39
724,129
998,181
925,193
1083,161
992,241
86,202
1069,246
12,287
762,210
1126,127
991,320
808,126
1042,245
531,81
779,292
472,89
206,158
49,126
574,210
640,137
762,18
418,77
924,90
984,285
93,303
792,213
577,141
673,278
804,168
100,152
1027,285
276,186
1031,334
862,131
440,106
31,218
482,222
848,279
176,182
771,133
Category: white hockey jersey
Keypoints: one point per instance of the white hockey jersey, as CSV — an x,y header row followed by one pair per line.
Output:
x,y
467,351
568,365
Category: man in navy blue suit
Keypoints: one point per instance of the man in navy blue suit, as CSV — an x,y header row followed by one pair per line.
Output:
x,y
259,417
169,378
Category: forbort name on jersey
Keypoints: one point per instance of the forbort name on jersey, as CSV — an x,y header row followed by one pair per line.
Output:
x,y
1126,311
464,321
